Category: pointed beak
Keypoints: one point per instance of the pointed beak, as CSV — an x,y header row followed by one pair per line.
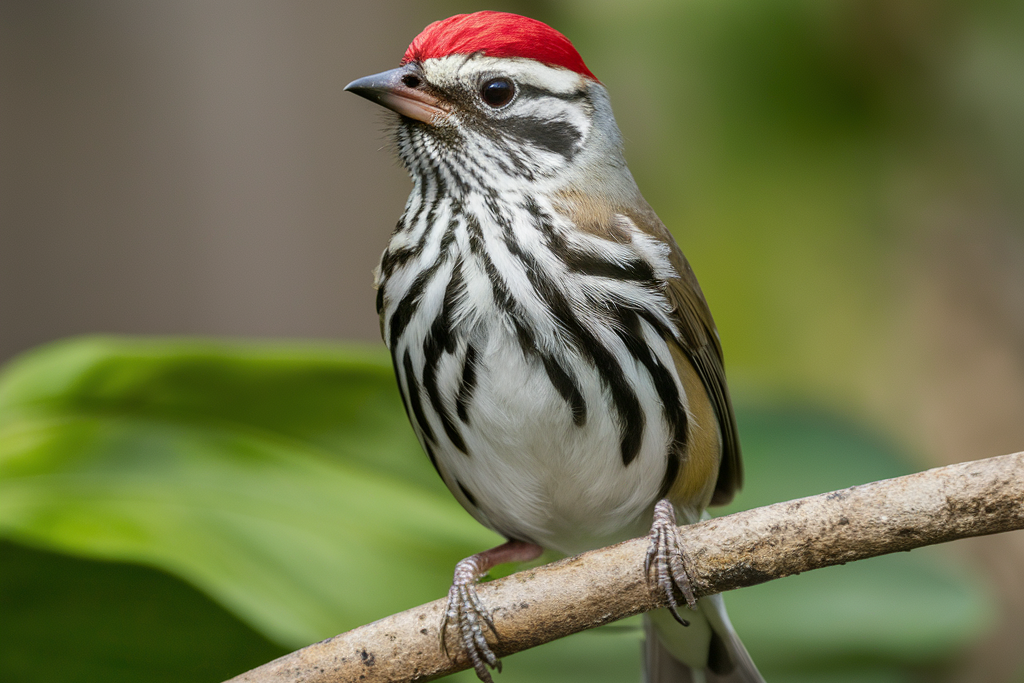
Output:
x,y
401,90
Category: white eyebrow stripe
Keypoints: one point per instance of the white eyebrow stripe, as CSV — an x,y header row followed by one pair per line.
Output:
x,y
455,69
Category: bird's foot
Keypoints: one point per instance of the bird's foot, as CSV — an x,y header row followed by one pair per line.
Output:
x,y
668,560
469,616
467,613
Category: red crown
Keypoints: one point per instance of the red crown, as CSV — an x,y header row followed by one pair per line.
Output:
x,y
496,34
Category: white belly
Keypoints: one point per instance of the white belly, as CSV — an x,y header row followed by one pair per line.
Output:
x,y
535,475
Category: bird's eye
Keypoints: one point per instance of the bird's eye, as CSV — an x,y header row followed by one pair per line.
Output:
x,y
497,92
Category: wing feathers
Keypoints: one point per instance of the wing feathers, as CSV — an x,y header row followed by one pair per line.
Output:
x,y
700,346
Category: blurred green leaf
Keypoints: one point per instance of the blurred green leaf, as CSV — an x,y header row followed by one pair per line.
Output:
x,y
284,481
79,621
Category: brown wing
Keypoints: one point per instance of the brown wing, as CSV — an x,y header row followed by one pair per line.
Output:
x,y
700,352
698,355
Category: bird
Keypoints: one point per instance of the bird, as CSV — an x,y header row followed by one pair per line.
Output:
x,y
553,349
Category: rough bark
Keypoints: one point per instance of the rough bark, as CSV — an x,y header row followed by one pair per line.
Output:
x,y
540,605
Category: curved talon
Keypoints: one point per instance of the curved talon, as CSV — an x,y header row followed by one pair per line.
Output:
x,y
666,557
467,613
674,611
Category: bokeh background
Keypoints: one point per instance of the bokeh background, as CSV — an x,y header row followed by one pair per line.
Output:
x,y
846,177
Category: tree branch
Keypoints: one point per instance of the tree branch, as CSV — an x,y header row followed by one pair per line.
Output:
x,y
540,605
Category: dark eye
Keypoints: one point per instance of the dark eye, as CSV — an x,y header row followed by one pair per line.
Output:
x,y
497,92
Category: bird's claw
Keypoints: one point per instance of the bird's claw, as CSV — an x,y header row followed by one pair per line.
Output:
x,y
665,555
467,613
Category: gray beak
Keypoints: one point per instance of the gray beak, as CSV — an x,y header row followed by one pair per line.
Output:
x,y
401,90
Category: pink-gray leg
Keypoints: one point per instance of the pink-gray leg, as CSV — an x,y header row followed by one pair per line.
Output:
x,y
468,614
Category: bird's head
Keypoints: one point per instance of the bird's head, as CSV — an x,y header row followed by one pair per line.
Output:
x,y
501,95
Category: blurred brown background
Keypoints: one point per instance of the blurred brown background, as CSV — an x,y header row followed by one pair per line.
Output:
x,y
847,179
193,167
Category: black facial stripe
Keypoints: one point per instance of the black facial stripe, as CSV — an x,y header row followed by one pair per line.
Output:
x,y
555,135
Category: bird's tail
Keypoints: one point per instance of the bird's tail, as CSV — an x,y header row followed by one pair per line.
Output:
x,y
706,651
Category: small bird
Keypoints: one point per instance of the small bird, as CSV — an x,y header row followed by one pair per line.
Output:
x,y
555,354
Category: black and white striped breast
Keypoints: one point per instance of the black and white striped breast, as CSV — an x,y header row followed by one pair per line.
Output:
x,y
468,261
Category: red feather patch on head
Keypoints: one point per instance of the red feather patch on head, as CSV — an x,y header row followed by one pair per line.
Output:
x,y
496,34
